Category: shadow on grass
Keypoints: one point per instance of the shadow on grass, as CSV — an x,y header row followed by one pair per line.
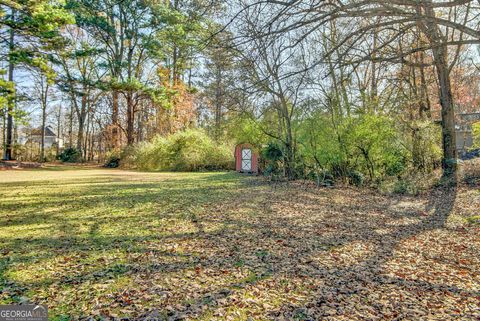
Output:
x,y
268,242
44,219
310,240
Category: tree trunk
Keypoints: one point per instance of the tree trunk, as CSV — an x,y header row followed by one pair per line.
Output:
x,y
81,114
449,161
130,120
44,96
4,133
11,102
425,107
290,161
440,60
59,135
70,127
42,147
289,148
81,124
373,106
218,102
115,129
87,135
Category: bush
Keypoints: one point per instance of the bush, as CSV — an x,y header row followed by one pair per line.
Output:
x,y
149,156
471,172
190,150
30,152
354,146
272,152
113,160
476,135
70,155
405,187
374,141
272,155
321,177
411,183
423,140
356,178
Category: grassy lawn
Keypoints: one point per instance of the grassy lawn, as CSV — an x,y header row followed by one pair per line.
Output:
x,y
218,246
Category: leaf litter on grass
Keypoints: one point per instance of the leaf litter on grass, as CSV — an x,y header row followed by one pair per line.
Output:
x,y
242,251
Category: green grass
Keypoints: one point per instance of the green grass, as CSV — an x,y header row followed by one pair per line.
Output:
x,y
102,243
81,232
473,219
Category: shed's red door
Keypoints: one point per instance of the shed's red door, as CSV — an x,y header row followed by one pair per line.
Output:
x,y
246,159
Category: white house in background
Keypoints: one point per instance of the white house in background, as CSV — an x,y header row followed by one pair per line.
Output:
x,y
51,139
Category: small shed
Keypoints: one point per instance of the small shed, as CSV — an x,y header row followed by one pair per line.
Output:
x,y
246,159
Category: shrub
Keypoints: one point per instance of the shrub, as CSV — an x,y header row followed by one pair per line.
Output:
x,y
321,147
190,150
150,156
375,142
127,156
272,155
112,160
409,183
476,135
321,177
405,187
423,140
356,178
30,152
471,172
70,155
352,146
272,152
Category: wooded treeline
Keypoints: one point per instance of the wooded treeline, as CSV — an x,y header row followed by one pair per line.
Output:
x,y
355,89
362,69
110,74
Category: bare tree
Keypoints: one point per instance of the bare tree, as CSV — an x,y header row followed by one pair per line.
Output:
x,y
445,26
42,91
79,77
269,66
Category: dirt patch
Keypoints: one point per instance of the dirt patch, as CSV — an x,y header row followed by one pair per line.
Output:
x,y
15,165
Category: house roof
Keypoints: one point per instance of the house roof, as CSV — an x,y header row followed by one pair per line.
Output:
x,y
469,117
48,132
